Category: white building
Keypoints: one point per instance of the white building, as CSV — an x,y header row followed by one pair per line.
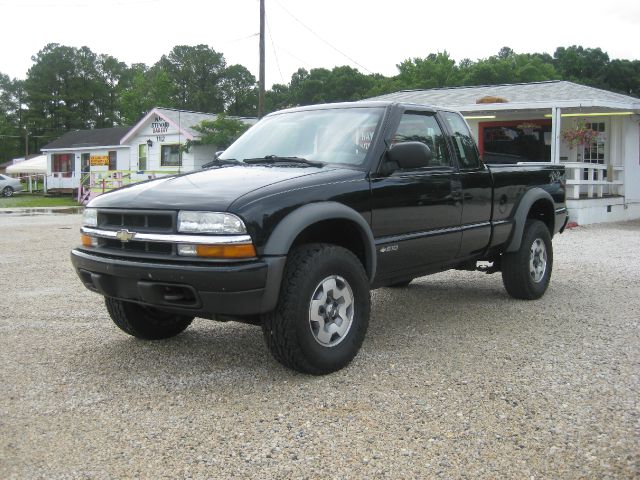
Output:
x,y
95,161
528,123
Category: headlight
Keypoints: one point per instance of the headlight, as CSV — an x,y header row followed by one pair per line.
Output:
x,y
209,222
90,217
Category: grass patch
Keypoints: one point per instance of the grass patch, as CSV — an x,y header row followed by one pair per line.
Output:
x,y
36,201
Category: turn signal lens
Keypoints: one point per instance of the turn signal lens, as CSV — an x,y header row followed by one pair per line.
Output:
x,y
245,250
88,241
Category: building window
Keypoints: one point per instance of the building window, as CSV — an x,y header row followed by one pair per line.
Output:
x,y
595,152
63,163
113,160
170,156
142,156
515,141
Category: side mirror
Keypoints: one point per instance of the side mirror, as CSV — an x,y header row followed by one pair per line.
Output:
x,y
410,155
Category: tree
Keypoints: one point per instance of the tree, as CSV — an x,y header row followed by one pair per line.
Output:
x,y
582,65
278,97
624,76
196,73
10,118
113,74
347,84
239,91
436,70
147,88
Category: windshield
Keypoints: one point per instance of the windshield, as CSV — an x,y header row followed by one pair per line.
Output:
x,y
328,136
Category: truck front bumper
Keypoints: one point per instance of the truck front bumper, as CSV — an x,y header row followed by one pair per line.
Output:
x,y
199,290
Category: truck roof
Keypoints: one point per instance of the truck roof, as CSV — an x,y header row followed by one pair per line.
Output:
x,y
360,104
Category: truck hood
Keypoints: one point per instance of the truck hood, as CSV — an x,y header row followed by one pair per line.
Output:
x,y
214,189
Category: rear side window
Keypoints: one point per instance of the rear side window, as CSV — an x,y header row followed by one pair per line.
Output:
x,y
463,142
415,127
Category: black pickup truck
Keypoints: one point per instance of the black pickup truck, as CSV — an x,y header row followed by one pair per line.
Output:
x,y
293,225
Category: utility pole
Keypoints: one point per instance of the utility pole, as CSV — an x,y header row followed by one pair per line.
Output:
x,y
26,143
261,74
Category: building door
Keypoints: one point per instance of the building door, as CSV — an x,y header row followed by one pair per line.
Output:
x,y
113,160
85,166
142,156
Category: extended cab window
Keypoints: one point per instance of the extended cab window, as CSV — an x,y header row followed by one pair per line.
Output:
x,y
415,127
463,143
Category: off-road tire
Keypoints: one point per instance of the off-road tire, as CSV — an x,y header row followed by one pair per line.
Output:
x,y
288,331
7,191
518,271
143,322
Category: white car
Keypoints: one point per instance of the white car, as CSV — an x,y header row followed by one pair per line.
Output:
x,y
8,186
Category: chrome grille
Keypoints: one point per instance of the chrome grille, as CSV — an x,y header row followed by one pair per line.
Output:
x,y
139,221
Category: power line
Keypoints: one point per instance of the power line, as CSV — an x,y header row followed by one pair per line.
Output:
x,y
242,38
322,39
273,46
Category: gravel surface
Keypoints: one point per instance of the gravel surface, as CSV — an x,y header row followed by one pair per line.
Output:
x,y
454,380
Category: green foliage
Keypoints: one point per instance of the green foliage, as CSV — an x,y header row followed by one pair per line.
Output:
x,y
436,70
221,132
195,73
239,91
582,65
25,200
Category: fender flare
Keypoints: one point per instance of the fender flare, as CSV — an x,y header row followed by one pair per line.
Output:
x,y
294,223
522,211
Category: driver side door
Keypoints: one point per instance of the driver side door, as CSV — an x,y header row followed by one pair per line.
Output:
x,y
416,212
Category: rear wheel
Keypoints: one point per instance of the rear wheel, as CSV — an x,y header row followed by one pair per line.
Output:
x,y
143,322
527,272
7,191
322,314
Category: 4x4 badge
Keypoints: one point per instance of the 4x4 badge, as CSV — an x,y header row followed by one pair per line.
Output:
x,y
125,235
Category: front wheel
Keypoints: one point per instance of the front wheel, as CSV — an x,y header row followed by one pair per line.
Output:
x,y
322,315
7,192
527,272
143,322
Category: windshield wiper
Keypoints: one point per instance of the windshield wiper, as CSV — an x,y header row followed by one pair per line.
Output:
x,y
281,159
219,162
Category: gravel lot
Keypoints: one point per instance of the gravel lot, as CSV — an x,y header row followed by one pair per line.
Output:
x,y
455,379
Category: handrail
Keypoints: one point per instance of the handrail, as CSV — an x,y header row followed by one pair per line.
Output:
x,y
593,180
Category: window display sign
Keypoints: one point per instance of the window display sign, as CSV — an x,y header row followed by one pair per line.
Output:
x,y
364,136
99,160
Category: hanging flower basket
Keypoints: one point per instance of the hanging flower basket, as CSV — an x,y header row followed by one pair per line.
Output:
x,y
579,136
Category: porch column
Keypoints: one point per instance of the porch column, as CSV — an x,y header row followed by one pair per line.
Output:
x,y
556,128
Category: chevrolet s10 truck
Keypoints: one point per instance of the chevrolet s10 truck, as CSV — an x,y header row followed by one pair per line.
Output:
x,y
292,226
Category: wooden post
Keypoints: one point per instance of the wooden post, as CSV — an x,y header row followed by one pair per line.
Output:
x,y
556,126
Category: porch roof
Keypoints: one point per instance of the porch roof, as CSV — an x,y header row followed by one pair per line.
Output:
x,y
519,96
79,139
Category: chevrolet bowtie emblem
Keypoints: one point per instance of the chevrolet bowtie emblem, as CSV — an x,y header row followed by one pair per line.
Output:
x,y
125,235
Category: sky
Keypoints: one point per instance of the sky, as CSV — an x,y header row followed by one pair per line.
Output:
x,y
370,35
